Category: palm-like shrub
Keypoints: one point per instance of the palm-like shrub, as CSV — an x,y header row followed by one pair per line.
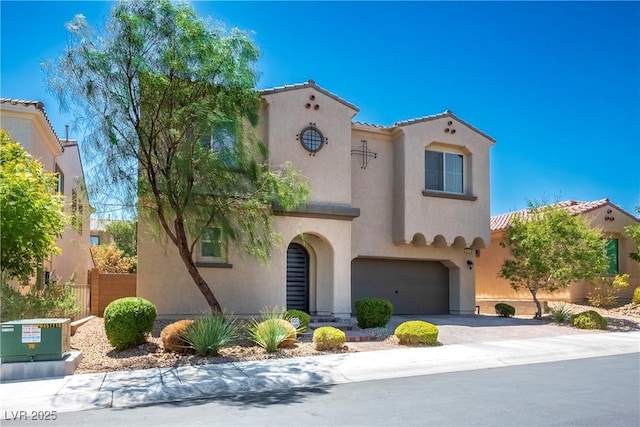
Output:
x,y
560,312
128,321
272,330
328,338
417,332
208,334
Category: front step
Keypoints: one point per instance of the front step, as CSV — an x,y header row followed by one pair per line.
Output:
x,y
350,334
337,325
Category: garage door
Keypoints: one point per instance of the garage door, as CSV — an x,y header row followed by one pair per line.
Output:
x,y
414,287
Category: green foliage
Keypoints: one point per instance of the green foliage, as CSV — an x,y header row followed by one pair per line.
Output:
x,y
505,310
31,213
589,320
633,231
417,332
304,318
606,289
636,296
328,338
110,259
125,236
208,334
54,300
128,321
373,312
272,330
560,312
550,249
171,99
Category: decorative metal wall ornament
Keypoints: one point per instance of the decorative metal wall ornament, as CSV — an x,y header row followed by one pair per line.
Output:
x,y
312,139
365,153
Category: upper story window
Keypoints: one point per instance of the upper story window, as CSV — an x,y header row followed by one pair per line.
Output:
x,y
59,180
223,141
444,171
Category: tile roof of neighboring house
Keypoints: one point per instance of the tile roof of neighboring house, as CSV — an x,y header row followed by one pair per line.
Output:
x,y
312,84
500,222
447,113
38,105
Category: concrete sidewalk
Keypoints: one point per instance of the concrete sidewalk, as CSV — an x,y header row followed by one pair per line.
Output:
x,y
150,386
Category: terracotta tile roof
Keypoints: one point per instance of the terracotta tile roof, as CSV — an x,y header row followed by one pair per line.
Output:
x,y
38,105
447,113
312,84
500,222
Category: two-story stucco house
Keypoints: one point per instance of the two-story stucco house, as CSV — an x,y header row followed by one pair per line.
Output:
x,y
28,124
395,212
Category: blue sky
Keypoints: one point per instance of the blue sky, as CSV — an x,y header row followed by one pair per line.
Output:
x,y
557,84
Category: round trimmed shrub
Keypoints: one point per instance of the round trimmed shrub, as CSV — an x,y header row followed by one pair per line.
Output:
x,y
373,312
505,310
127,321
636,296
304,318
417,332
172,336
328,338
589,320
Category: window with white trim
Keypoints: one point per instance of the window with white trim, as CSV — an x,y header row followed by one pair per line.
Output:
x,y
444,171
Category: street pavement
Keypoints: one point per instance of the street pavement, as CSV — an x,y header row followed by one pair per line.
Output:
x,y
150,386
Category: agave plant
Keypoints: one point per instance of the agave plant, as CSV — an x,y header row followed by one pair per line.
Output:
x,y
272,330
208,334
560,312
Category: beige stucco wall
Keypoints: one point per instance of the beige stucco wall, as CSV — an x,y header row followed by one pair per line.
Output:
x,y
488,264
328,171
250,286
448,218
374,191
28,126
75,244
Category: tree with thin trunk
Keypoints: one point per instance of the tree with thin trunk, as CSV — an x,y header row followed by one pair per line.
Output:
x,y
551,249
171,105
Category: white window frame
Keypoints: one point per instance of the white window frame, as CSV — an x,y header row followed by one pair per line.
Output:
x,y
444,154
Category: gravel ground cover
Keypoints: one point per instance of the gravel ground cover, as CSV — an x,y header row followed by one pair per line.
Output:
x,y
99,356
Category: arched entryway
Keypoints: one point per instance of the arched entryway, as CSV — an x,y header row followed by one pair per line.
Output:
x,y
297,278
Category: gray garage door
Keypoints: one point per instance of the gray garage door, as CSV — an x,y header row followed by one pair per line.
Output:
x,y
414,287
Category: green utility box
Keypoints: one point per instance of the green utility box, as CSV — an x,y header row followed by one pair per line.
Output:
x,y
34,340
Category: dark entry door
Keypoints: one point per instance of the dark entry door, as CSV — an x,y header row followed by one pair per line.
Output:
x,y
297,277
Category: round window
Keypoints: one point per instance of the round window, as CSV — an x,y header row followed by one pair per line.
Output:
x,y
311,139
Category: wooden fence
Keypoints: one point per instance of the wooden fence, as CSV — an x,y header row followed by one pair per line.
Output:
x,y
109,287
83,297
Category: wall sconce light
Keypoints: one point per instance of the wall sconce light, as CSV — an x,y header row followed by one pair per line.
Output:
x,y
467,251
470,264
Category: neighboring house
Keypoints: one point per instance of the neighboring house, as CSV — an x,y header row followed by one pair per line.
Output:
x,y
395,212
28,124
99,234
602,214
